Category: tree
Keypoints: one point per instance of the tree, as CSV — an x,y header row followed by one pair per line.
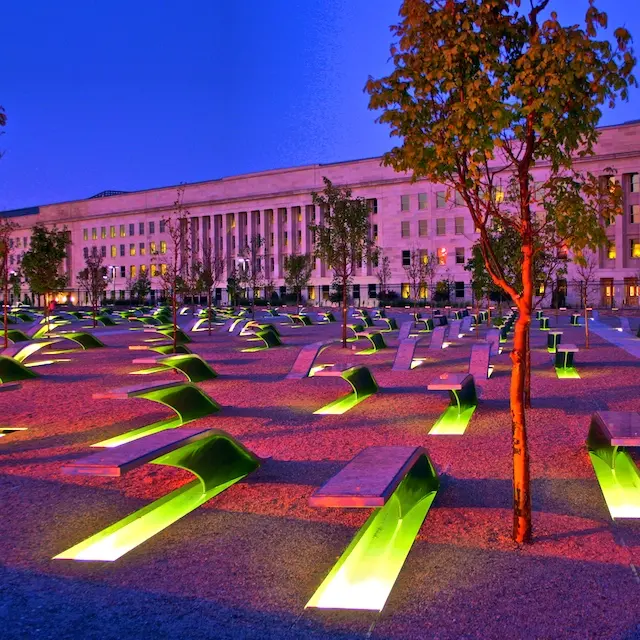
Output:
x,y
250,274
93,279
429,266
140,287
42,262
212,272
297,272
233,290
479,95
6,229
173,278
341,238
415,274
586,271
383,272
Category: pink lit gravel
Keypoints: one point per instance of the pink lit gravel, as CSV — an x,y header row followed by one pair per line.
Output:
x,y
245,564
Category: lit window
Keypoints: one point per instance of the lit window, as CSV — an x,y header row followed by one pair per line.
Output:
x,y
635,248
132,271
423,228
422,201
85,235
152,247
112,231
405,290
163,269
154,270
499,194
405,229
459,226
103,232
132,249
441,199
611,252
114,251
143,249
459,255
404,203
94,233
372,204
123,232
163,247
441,227
634,214
442,255
143,269
634,182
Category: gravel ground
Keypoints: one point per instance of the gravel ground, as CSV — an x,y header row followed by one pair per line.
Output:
x,y
245,564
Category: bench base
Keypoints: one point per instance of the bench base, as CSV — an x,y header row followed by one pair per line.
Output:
x,y
362,384
366,572
567,372
620,483
453,422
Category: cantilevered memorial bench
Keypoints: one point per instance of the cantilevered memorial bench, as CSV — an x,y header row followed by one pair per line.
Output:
x,y
303,364
360,380
11,370
405,355
405,330
269,339
611,433
376,339
422,324
82,339
186,400
480,361
462,404
554,338
493,338
624,324
22,350
215,458
164,348
575,320
167,332
564,361
192,366
437,338
299,320
399,484
390,323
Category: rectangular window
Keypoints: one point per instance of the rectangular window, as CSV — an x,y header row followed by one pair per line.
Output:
x,y
459,226
163,225
634,183
285,238
132,271
132,249
441,226
271,239
143,269
405,229
459,255
123,274
103,251
299,237
375,233
563,253
143,249
141,230
163,269
152,228
85,252
123,232
405,204
635,248
406,258
371,291
163,247
103,232
634,214
459,286
132,229
459,200
422,201
441,199
94,233
114,251
122,250
154,270
423,228
112,231
85,235
611,251
498,195
442,255
372,205
152,247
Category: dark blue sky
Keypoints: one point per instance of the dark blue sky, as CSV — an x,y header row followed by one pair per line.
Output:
x,y
134,94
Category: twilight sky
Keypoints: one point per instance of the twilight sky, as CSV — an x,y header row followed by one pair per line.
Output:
x,y
129,95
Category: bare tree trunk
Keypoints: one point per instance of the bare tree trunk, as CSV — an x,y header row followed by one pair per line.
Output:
x,y
209,310
521,480
527,370
344,313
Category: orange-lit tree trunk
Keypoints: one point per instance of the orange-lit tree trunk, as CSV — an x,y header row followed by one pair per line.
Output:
x,y
345,280
527,375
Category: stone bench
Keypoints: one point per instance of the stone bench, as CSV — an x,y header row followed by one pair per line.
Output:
x,y
437,338
624,324
360,380
194,368
215,459
463,401
544,323
13,371
376,339
82,339
564,360
390,323
611,433
22,350
493,338
303,363
553,340
479,362
269,339
405,354
400,484
575,320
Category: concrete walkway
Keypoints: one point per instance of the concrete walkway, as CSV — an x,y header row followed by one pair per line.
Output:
x,y
623,339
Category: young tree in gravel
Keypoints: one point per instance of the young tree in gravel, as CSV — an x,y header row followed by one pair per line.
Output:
x,y
342,237
480,94
212,272
140,287
429,265
297,272
383,272
251,275
586,275
173,278
93,280
232,286
42,262
414,274
6,229
15,282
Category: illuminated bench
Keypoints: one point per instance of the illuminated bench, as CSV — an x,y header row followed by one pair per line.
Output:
x,y
252,328
300,320
187,401
376,339
303,363
167,332
440,319
215,459
610,434
564,361
234,326
427,323
544,323
269,340
81,338
399,484
105,321
553,340
539,314
165,348
462,404
405,360
326,316
405,330
483,316
437,339
13,371
149,321
493,338
362,384
458,314
624,324
390,323
194,368
22,350
479,362
575,319
356,329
